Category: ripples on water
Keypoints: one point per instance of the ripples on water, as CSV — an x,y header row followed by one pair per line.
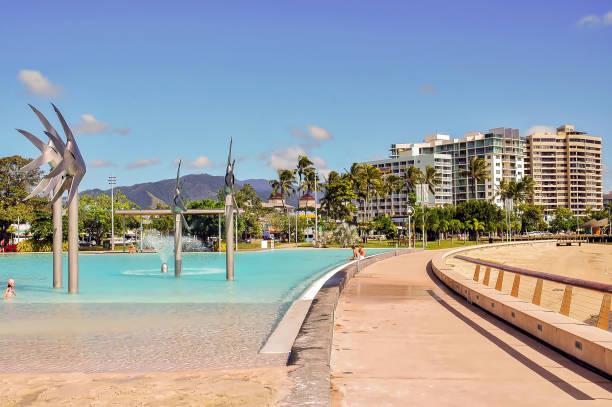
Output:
x,y
130,317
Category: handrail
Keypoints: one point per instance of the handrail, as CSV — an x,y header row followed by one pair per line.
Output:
x,y
576,282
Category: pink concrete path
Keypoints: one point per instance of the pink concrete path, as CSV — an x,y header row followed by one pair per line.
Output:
x,y
402,339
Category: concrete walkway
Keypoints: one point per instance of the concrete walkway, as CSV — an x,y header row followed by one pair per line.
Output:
x,y
402,339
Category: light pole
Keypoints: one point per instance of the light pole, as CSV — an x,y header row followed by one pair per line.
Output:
x,y
316,234
112,180
409,212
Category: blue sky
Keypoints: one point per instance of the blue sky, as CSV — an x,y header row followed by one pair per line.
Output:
x,y
148,82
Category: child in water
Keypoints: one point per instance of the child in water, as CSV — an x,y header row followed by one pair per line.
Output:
x,y
10,289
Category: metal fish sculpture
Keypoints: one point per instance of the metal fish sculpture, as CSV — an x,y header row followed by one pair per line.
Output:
x,y
178,206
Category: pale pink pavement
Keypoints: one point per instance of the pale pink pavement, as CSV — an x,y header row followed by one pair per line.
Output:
x,y
401,339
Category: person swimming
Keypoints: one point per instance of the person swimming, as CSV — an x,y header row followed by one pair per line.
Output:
x,y
10,289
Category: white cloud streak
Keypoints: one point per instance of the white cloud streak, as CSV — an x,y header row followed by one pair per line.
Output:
x,y
144,162
89,125
428,89
37,84
595,21
99,163
200,163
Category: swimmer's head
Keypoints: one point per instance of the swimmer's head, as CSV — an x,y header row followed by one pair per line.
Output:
x,y
11,282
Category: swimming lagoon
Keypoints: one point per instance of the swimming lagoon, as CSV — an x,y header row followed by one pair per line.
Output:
x,y
128,316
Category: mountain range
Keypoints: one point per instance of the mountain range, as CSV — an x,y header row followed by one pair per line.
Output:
x,y
195,187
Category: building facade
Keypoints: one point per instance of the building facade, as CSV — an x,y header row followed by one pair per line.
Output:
x,y
501,148
566,168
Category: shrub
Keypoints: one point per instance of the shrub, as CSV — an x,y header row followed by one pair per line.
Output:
x,y
33,245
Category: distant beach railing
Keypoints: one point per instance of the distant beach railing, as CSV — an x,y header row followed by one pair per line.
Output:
x,y
605,290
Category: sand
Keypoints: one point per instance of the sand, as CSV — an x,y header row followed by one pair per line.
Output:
x,y
591,262
244,387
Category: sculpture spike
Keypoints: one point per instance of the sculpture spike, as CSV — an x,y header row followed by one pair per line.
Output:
x,y
53,135
38,143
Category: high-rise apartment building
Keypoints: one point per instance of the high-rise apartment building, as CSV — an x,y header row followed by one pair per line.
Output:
x,y
502,150
566,168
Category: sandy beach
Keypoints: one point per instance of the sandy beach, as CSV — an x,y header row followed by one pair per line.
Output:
x,y
591,262
243,387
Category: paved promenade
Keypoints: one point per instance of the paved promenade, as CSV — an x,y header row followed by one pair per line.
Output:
x,y
402,339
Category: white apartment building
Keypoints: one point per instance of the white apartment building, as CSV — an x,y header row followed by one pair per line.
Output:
x,y
395,205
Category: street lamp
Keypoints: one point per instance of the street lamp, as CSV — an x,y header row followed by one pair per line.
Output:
x,y
112,180
316,234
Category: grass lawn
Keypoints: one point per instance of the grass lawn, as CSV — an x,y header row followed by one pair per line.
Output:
x,y
431,245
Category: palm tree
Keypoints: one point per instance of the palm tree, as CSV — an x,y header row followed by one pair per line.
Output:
x,y
477,171
284,185
412,177
477,226
455,225
524,189
371,178
432,179
303,165
467,226
355,175
393,184
442,228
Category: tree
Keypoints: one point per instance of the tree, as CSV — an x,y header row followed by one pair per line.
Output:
x,y
532,217
477,227
383,225
95,215
337,200
432,179
455,225
412,177
477,171
443,227
371,178
284,184
303,165
563,220
14,188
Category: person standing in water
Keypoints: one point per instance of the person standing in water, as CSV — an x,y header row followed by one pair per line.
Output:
x,y
10,289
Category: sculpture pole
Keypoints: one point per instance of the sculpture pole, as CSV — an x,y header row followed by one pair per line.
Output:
x,y
178,245
229,237
57,241
230,204
73,245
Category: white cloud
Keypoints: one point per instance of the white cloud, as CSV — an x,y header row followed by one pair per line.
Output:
x,y
90,125
595,21
144,162
99,163
199,163
286,157
319,133
37,84
540,129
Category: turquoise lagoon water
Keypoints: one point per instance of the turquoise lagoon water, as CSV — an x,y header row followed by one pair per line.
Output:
x,y
128,316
